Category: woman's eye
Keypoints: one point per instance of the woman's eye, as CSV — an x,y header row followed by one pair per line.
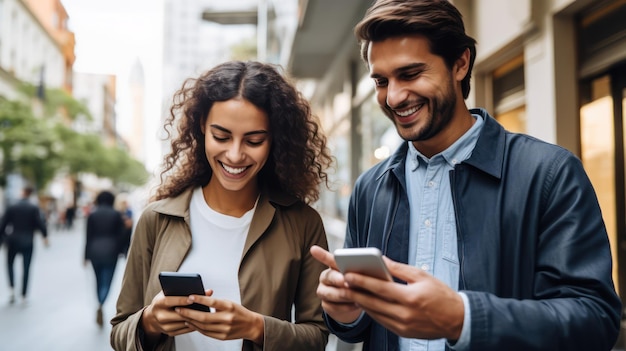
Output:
x,y
256,142
220,139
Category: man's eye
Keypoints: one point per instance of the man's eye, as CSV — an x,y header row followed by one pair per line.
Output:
x,y
380,82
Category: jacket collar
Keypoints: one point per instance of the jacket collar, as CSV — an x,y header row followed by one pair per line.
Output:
x,y
487,156
178,206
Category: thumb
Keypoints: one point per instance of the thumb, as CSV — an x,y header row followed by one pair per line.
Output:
x,y
403,271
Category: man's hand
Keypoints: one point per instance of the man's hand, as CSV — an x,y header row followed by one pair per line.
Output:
x,y
332,290
425,308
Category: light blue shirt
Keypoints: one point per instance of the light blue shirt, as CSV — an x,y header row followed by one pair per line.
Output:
x,y
432,229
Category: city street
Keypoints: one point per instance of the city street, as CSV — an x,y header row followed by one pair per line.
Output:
x,y
60,314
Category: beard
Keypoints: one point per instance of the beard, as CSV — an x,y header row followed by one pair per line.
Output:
x,y
441,113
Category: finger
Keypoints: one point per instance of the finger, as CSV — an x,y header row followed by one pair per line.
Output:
x,y
179,329
375,305
409,274
217,304
177,301
323,256
333,294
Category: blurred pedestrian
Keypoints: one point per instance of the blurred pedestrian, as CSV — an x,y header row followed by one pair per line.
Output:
x,y
105,230
247,158
70,214
18,225
127,214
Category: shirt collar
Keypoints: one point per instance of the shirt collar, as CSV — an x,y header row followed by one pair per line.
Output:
x,y
459,151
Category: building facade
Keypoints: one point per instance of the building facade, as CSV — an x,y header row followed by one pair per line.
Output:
x,y
554,69
28,51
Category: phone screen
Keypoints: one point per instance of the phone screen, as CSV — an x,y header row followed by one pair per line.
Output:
x,y
183,284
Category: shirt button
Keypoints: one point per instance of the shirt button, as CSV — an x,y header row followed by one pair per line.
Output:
x,y
427,222
425,267
431,184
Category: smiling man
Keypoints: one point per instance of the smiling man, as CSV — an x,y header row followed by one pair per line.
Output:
x,y
495,239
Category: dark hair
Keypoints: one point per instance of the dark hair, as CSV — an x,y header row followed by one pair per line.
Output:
x,y
298,155
437,20
105,198
27,191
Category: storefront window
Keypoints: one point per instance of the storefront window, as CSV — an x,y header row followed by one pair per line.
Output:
x,y
509,95
598,152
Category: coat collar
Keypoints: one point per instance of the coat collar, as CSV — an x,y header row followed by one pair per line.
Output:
x,y
178,206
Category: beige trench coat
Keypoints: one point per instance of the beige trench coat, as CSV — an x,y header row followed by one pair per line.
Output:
x,y
276,271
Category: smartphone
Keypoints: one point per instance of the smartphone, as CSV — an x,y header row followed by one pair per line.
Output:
x,y
183,284
363,260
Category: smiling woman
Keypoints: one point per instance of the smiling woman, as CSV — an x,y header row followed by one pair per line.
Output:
x,y
247,158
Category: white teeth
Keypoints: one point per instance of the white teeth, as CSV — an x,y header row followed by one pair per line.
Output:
x,y
232,170
408,112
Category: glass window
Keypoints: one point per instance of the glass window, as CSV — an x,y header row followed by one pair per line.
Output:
x,y
598,151
509,95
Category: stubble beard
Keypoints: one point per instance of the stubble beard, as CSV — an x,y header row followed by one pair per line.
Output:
x,y
441,113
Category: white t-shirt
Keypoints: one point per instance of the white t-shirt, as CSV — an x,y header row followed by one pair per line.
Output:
x,y
217,242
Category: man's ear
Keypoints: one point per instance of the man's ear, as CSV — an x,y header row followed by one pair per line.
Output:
x,y
461,66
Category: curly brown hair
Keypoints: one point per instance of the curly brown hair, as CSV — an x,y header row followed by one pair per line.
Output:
x,y
298,154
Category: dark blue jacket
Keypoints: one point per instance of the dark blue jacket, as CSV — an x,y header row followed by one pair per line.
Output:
x,y
24,218
533,248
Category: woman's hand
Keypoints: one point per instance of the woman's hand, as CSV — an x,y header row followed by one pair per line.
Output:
x,y
160,317
229,321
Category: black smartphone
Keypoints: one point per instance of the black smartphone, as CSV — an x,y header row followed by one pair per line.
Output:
x,y
363,260
183,284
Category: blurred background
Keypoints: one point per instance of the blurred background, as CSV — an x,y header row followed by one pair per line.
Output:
x,y
85,86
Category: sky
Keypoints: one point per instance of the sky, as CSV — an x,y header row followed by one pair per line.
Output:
x,y
111,35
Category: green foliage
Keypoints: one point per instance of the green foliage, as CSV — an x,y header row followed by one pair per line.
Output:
x,y
40,147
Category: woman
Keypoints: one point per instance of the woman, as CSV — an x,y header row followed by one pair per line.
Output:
x,y
232,205
105,228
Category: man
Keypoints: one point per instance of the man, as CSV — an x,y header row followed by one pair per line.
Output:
x,y
24,218
495,240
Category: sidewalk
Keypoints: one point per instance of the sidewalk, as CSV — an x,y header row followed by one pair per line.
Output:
x,y
61,309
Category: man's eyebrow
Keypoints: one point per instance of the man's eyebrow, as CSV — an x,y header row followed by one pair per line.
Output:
x,y
253,132
397,71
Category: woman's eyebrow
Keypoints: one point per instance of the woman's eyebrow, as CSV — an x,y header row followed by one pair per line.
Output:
x,y
253,132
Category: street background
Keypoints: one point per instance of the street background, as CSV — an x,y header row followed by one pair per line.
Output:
x,y
61,310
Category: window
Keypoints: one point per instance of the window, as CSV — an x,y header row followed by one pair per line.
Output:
x,y
509,95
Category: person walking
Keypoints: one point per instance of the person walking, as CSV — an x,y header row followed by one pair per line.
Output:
x,y
495,239
127,215
247,159
105,238
18,225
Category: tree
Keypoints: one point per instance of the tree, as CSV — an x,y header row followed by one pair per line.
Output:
x,y
39,144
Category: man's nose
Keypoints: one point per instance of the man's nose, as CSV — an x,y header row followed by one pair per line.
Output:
x,y
396,94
